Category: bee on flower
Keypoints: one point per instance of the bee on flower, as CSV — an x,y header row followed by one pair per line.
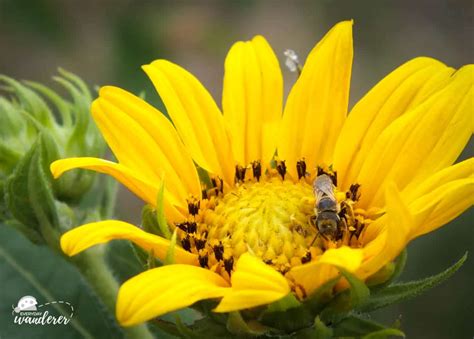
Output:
x,y
292,194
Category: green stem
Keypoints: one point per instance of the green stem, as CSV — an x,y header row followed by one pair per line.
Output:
x,y
95,270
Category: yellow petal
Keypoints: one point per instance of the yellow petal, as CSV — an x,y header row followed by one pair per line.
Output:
x,y
312,275
196,116
165,289
252,99
88,235
421,142
443,204
404,88
392,236
145,141
144,189
253,284
317,105
462,170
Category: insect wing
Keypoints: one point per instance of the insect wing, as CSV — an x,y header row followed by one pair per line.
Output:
x,y
323,186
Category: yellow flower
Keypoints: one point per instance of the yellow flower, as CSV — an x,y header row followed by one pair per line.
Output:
x,y
247,236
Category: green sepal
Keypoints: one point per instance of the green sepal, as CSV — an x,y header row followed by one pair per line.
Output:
x,y
149,221
398,292
31,102
285,303
318,331
146,259
281,316
386,276
170,258
158,326
206,327
289,320
160,211
356,326
322,296
185,331
347,300
237,325
122,261
8,158
53,97
29,196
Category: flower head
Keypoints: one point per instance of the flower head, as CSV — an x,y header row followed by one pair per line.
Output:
x,y
251,227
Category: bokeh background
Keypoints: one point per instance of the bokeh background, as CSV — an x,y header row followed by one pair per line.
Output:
x,y
105,42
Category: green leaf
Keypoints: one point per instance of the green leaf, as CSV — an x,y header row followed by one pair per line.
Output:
x,y
382,334
398,292
149,220
48,278
357,327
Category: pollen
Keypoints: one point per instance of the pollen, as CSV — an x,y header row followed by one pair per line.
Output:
x,y
267,214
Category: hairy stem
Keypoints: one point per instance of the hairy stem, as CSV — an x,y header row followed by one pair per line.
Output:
x,y
95,270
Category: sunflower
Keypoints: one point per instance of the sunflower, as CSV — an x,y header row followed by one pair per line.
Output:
x,y
238,191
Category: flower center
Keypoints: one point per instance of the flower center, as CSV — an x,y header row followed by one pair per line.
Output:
x,y
271,219
276,219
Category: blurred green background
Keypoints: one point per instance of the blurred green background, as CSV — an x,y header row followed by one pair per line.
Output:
x,y
106,42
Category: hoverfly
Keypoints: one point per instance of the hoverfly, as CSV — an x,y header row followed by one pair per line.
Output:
x,y
328,222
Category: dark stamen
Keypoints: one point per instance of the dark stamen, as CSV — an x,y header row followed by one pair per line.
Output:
x,y
200,243
221,186
219,252
203,261
229,264
183,226
321,171
330,173
192,226
301,169
193,206
355,194
306,258
281,168
240,173
257,170
334,178
186,244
